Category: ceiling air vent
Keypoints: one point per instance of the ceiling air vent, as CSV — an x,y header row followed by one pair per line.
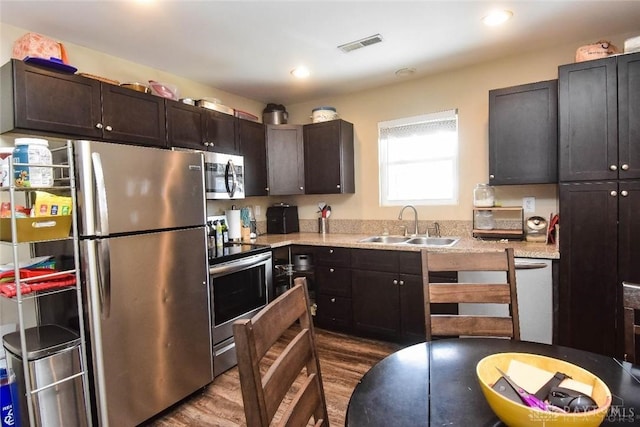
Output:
x,y
367,41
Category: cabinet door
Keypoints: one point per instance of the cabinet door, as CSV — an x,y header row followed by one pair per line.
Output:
x,y
252,145
523,134
629,231
220,132
328,155
185,125
132,117
588,266
285,160
49,102
588,120
376,304
412,320
628,115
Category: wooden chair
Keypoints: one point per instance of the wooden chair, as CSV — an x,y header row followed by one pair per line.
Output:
x,y
630,302
264,387
501,293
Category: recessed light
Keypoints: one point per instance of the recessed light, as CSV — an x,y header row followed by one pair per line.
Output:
x,y
300,72
404,72
497,17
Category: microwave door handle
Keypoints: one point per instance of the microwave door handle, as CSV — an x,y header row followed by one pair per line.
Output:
x,y
234,178
101,196
104,273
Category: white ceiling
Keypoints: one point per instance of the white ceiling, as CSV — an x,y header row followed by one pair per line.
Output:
x,y
249,47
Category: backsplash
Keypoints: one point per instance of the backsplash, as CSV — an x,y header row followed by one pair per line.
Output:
x,y
375,227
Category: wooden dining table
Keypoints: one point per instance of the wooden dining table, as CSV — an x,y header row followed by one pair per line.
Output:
x,y
435,384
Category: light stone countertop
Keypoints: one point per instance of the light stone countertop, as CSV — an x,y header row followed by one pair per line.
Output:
x,y
521,248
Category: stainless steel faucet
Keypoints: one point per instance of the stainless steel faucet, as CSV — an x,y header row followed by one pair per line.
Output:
x,y
415,212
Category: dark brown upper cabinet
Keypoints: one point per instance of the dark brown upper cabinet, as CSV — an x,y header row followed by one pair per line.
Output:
x,y
252,145
523,134
329,158
285,160
41,101
599,127
198,128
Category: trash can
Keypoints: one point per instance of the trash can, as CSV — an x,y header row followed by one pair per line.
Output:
x,y
53,353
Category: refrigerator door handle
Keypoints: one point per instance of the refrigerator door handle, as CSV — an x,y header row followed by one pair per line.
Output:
x,y
234,178
101,196
104,271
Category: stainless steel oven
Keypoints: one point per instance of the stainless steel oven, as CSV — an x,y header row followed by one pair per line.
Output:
x,y
240,288
223,176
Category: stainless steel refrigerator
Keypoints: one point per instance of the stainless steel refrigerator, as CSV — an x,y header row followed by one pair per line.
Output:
x,y
143,248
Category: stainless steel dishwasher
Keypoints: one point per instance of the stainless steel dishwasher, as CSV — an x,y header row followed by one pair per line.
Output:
x,y
534,285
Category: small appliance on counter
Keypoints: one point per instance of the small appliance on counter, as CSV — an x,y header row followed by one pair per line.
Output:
x,y
282,219
536,229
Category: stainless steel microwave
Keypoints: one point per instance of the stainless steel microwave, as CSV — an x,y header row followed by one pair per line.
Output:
x,y
223,176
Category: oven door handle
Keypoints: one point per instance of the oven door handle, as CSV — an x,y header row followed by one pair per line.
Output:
x,y
238,265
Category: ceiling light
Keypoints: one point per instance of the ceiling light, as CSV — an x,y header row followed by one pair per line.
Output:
x,y
300,72
497,17
404,72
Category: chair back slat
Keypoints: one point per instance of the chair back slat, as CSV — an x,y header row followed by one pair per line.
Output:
x,y
469,293
475,293
269,390
442,325
630,303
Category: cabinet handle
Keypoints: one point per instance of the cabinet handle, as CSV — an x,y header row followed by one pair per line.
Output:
x,y
492,176
614,193
331,270
206,143
330,251
301,188
395,282
338,186
613,167
99,126
267,189
624,193
624,167
401,282
333,300
108,128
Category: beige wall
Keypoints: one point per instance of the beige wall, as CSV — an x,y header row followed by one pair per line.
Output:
x,y
465,89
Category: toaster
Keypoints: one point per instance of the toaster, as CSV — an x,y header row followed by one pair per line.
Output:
x,y
282,219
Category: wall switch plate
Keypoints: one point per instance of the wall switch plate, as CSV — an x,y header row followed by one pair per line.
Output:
x,y
256,211
529,204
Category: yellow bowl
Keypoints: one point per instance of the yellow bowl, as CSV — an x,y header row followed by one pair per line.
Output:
x,y
518,415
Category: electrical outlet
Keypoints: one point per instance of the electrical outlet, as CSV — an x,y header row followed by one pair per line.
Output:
x,y
529,204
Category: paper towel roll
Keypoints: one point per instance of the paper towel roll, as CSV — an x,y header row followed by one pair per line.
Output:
x,y
233,222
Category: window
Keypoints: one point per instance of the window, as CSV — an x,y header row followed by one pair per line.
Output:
x,y
419,160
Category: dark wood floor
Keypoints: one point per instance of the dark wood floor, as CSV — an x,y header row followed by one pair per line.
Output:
x,y
343,361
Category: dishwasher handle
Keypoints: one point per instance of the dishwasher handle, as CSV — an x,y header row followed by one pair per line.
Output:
x,y
530,265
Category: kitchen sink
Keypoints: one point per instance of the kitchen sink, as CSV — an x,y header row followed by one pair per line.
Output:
x,y
433,241
389,240
417,241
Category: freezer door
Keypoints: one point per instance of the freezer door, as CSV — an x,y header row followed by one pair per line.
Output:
x,y
124,188
149,321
